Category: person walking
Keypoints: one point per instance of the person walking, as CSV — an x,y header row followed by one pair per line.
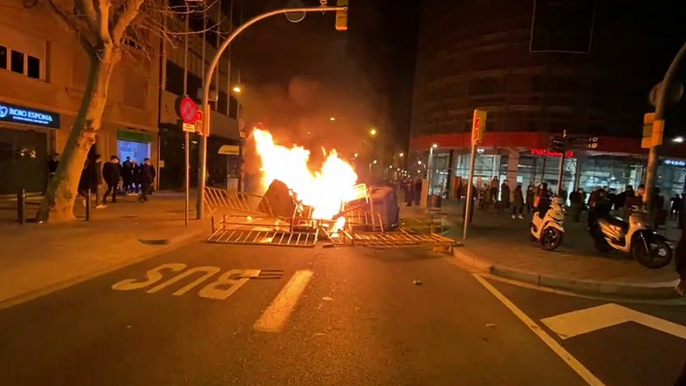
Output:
x,y
94,178
135,177
147,175
517,200
110,173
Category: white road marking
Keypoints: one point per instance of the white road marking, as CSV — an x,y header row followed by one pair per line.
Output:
x,y
547,339
274,318
607,315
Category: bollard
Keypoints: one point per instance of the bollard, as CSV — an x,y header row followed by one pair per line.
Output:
x,y
21,206
88,205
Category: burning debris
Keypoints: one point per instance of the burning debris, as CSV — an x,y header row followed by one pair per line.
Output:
x,y
325,202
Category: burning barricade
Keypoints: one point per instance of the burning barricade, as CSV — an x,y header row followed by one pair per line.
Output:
x,y
301,206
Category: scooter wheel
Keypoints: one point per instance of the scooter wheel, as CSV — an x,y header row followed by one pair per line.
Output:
x,y
659,254
551,238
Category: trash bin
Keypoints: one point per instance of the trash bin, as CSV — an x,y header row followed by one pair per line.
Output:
x,y
434,201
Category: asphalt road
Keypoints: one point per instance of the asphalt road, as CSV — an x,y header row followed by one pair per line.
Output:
x,y
339,316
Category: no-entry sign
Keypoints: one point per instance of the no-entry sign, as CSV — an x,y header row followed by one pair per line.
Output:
x,y
187,109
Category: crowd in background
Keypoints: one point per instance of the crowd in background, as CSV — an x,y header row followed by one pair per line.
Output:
x,y
113,177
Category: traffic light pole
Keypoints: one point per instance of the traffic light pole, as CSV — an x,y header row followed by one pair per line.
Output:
x,y
560,171
660,102
202,153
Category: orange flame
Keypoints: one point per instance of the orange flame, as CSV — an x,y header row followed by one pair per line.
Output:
x,y
324,190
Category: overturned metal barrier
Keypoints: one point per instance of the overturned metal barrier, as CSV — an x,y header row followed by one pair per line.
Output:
x,y
220,199
261,231
398,239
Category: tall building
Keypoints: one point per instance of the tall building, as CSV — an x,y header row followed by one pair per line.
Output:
x,y
206,31
507,57
43,73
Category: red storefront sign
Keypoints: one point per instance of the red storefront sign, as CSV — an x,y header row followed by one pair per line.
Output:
x,y
548,153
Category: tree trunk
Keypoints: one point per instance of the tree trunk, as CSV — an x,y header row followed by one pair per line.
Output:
x,y
58,203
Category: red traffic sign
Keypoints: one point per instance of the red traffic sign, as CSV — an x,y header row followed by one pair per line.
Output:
x,y
198,116
187,109
477,122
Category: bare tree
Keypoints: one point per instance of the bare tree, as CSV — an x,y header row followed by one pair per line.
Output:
x,y
106,29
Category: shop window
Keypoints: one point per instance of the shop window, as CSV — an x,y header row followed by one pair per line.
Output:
x,y
17,60
3,57
33,67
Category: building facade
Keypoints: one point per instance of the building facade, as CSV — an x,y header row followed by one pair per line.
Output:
x,y
478,54
43,72
206,32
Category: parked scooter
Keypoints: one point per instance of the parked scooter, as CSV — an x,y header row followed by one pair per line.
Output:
x,y
548,231
635,237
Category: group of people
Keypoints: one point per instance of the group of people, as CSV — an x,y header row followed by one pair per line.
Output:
x,y
412,187
133,178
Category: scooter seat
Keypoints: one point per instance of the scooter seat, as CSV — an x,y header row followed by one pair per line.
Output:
x,y
615,226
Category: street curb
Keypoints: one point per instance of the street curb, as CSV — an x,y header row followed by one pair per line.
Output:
x,y
648,290
174,243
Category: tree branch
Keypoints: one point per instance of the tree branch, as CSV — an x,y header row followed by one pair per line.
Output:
x,y
128,13
71,24
86,7
103,21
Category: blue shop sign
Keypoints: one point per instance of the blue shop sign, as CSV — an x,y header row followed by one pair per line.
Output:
x,y
28,116
675,162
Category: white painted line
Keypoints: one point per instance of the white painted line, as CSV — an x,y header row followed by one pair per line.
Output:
x,y
607,315
547,339
274,318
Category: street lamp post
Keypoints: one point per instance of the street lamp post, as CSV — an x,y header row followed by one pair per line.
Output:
x,y
202,154
660,104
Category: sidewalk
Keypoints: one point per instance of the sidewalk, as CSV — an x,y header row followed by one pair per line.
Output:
x,y
39,258
499,244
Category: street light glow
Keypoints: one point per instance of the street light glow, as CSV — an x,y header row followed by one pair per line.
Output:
x,y
372,132
356,155
402,154
678,139
435,145
332,119
419,162
237,89
374,162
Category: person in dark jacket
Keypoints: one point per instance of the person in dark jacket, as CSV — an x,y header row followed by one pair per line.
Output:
x,y
147,175
135,177
110,173
94,178
127,174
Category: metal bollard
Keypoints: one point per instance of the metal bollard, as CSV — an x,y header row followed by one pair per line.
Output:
x,y
88,205
21,206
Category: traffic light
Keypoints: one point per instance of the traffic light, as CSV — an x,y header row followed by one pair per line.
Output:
x,y
342,16
557,144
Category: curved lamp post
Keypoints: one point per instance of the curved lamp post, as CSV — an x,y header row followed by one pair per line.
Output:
x,y
202,154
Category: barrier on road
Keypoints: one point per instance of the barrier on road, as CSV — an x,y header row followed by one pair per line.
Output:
x,y
220,199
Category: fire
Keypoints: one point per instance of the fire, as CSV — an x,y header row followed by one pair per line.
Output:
x,y
324,190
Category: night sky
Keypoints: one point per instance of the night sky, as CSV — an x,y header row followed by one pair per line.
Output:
x,y
301,74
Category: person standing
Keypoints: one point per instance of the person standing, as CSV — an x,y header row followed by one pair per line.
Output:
x,y
530,193
110,173
147,175
505,194
136,177
127,174
94,179
517,200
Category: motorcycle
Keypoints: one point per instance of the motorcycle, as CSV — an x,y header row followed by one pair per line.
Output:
x,y
548,231
635,237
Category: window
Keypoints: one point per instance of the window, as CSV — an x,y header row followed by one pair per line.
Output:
x,y
174,82
3,57
233,107
33,65
17,62
221,102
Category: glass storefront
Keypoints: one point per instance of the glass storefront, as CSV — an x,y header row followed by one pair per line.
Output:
x,y
595,170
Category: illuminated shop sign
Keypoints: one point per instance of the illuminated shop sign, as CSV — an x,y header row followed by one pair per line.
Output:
x,y
548,153
28,116
675,162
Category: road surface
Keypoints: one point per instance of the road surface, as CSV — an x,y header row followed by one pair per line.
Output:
x,y
211,314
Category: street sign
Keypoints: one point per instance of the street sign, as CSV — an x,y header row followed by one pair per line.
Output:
x,y
186,109
673,95
647,141
295,17
593,142
342,16
188,127
478,126
592,319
